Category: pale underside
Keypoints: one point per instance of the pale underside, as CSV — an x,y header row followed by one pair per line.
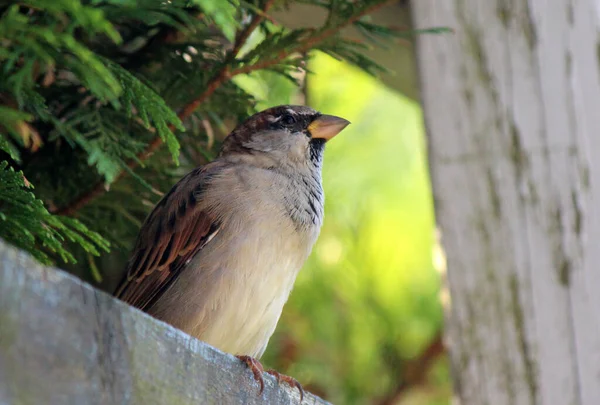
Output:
x,y
232,293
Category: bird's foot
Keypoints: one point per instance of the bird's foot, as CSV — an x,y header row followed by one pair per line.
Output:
x,y
257,370
290,380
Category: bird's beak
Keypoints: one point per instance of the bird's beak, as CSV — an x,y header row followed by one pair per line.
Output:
x,y
327,126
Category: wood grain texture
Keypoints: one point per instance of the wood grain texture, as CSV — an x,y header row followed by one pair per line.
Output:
x,y
512,108
63,342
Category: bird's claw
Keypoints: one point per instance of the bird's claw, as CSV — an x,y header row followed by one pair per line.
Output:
x,y
290,380
257,370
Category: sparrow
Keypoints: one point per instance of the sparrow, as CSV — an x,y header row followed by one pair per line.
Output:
x,y
219,254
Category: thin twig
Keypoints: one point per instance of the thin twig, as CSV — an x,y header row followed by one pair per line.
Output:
x,y
220,78
415,371
310,42
243,36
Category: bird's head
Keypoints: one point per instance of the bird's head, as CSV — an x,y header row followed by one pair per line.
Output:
x,y
284,135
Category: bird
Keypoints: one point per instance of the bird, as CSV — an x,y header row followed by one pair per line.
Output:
x,y
218,255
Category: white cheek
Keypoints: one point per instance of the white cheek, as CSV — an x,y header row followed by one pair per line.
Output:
x,y
300,147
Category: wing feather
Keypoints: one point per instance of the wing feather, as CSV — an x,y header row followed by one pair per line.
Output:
x,y
176,230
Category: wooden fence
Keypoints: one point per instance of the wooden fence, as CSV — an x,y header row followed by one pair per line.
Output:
x,y
63,342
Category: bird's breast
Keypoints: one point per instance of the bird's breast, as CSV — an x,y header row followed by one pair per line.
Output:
x,y
259,264
232,292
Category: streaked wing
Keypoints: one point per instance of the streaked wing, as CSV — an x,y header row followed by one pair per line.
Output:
x,y
177,229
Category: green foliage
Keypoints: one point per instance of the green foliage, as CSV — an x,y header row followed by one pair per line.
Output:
x,y
27,224
12,122
151,108
223,13
39,43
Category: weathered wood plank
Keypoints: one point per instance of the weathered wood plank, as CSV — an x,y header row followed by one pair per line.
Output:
x,y
512,103
63,342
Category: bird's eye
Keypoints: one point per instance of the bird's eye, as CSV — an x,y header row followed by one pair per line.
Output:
x,y
288,119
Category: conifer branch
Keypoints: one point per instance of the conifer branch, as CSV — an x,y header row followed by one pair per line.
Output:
x,y
224,75
311,42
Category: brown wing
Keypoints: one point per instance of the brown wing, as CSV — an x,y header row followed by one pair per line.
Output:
x,y
173,233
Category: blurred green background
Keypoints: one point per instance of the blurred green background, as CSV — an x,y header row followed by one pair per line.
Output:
x,y
366,305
